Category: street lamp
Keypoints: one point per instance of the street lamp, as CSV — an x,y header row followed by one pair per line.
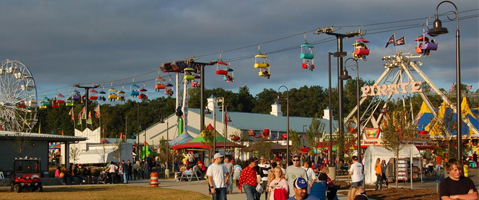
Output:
x,y
226,120
439,30
335,54
304,133
167,171
345,76
287,120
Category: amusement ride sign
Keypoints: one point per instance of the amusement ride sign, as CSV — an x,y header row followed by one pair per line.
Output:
x,y
407,87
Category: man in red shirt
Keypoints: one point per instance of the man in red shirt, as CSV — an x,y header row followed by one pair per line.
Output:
x,y
248,180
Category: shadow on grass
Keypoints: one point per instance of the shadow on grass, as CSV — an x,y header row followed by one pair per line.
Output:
x,y
61,189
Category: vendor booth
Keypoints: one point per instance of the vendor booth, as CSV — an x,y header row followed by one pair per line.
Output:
x,y
374,152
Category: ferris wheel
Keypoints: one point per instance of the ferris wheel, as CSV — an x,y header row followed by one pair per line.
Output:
x,y
18,97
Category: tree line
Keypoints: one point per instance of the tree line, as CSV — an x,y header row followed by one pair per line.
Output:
x,y
130,117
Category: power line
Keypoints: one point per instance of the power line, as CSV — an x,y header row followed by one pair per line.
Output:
x,y
234,59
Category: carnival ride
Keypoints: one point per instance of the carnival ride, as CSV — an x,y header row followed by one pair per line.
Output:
x,y
398,81
18,97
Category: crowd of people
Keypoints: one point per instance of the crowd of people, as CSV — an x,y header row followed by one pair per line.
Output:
x,y
267,178
119,172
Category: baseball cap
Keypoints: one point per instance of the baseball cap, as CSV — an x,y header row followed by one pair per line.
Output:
x,y
217,155
300,183
250,160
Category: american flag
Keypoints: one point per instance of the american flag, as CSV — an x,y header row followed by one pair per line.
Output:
x,y
469,87
452,87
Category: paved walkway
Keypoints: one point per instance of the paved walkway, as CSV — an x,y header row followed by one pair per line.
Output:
x,y
201,186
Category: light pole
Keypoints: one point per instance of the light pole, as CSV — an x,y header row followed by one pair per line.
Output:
x,y
439,30
335,54
87,94
304,133
345,76
167,170
287,120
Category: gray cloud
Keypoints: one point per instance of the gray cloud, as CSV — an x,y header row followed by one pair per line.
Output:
x,y
66,42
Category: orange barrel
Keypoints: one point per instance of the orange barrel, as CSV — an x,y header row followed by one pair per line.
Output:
x,y
154,179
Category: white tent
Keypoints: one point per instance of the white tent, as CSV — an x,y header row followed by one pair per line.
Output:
x,y
374,152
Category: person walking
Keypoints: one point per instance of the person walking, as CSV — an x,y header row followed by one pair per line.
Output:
x,y
264,167
456,186
112,172
125,171
383,171
293,172
379,174
217,178
237,172
278,187
310,173
300,186
130,170
248,181
323,176
135,167
356,172
229,167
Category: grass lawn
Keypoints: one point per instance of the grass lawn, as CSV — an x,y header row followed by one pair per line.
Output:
x,y
105,192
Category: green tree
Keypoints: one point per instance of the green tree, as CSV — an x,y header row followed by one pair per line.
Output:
x,y
397,133
295,139
314,132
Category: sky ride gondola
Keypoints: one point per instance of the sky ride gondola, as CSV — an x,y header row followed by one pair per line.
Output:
x,y
424,45
169,89
360,49
134,90
307,54
75,95
160,84
143,94
112,94
59,98
69,102
189,74
93,95
261,63
223,69
102,94
120,96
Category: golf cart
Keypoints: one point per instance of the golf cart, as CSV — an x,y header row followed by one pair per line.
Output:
x,y
26,175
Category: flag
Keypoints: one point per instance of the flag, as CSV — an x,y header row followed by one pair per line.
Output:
x,y
83,113
391,41
469,87
97,111
89,121
72,114
400,41
452,87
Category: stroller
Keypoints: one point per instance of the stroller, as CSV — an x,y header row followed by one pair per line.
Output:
x,y
103,178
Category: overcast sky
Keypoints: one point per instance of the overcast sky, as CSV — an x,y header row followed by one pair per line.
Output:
x,y
65,42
